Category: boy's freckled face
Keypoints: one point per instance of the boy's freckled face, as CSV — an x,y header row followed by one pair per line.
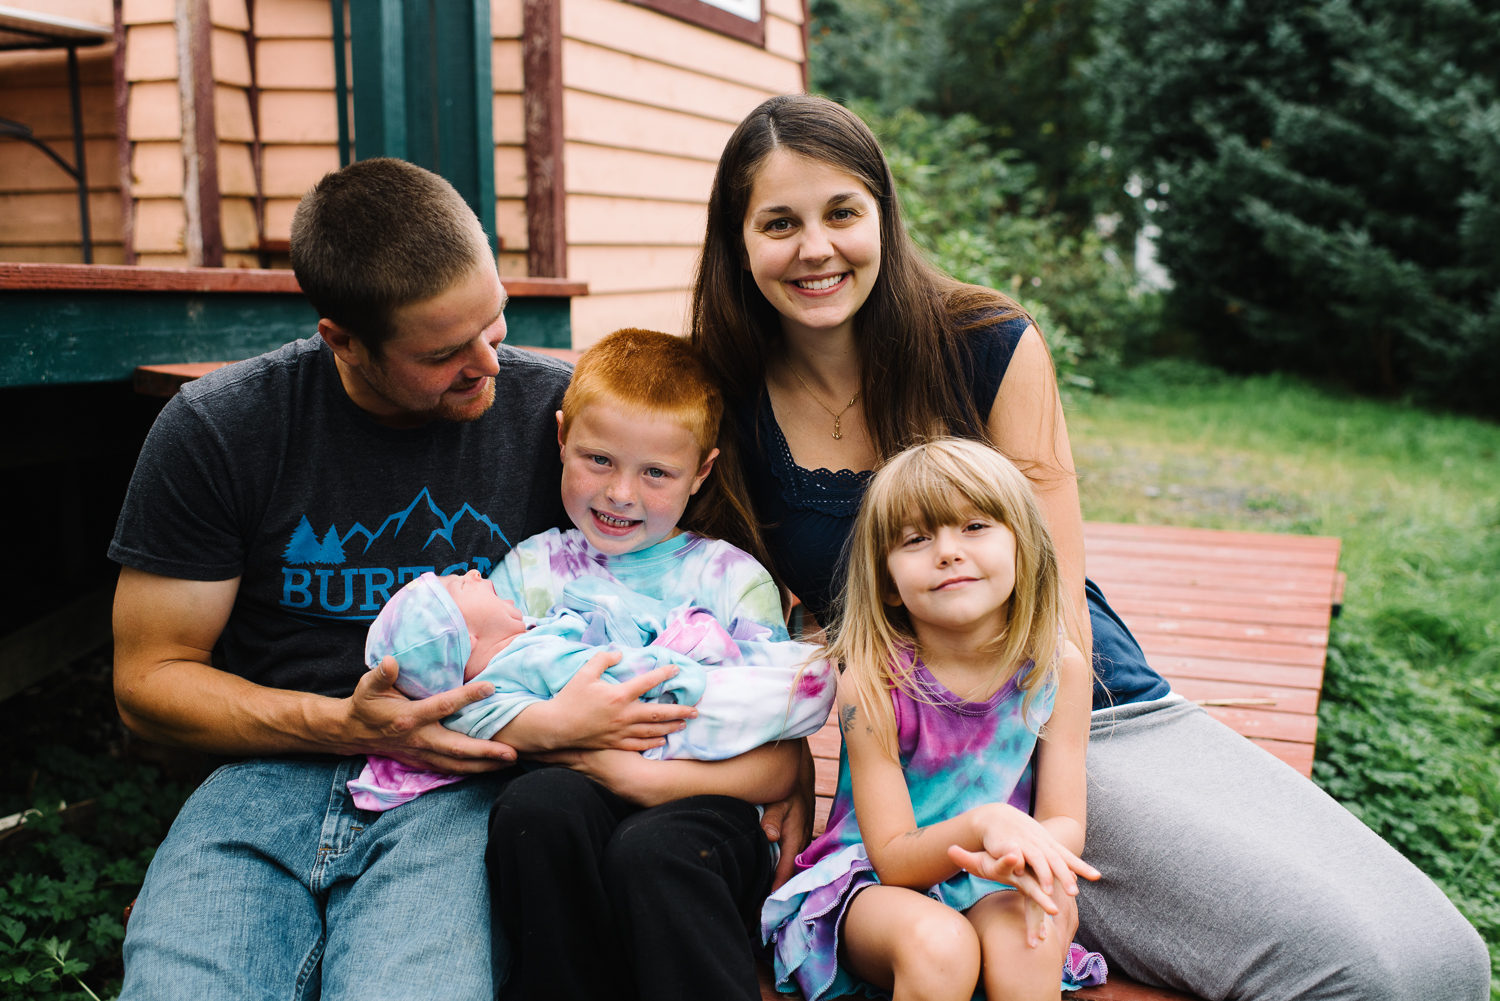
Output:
x,y
491,619
627,476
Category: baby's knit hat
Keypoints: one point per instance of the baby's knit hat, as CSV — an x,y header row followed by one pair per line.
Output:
x,y
423,629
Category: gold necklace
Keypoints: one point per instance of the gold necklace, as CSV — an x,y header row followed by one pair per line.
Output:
x,y
837,417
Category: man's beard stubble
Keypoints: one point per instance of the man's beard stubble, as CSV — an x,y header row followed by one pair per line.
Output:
x,y
446,410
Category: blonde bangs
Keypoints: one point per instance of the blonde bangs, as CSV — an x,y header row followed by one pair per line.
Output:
x,y
926,490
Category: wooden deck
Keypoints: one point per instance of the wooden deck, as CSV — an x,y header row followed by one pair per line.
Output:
x,y
1236,621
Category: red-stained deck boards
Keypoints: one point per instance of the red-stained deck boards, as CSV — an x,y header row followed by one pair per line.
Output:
x,y
1234,620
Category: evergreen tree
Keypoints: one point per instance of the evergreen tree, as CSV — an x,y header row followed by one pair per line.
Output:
x,y
1011,64
332,550
1329,180
304,546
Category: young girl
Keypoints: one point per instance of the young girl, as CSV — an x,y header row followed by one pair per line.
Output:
x,y
959,869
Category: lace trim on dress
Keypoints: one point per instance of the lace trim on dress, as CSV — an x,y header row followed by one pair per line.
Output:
x,y
825,491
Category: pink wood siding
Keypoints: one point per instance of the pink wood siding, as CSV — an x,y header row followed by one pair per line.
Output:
x,y
299,124
154,128
230,61
648,103
508,80
38,201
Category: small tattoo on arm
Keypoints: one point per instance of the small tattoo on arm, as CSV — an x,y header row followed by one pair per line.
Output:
x,y
846,718
917,833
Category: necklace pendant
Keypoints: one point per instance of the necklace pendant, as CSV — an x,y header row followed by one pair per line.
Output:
x,y
836,435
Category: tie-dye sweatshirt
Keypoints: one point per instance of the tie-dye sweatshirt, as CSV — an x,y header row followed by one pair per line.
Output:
x,y
690,569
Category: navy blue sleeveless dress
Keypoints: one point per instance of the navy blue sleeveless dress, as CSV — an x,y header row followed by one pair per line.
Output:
x,y
810,514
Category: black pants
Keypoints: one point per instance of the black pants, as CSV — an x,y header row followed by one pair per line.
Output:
x,y
602,899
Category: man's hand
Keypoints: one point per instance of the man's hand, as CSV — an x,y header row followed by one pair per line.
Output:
x,y
168,691
593,714
382,721
789,822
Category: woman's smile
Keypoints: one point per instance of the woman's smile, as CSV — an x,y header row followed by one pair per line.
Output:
x,y
822,285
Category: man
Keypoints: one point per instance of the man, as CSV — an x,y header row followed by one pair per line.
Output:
x,y
275,506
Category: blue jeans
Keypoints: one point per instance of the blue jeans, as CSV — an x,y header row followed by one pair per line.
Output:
x,y
273,884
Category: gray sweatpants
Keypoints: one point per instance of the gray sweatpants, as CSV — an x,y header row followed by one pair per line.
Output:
x,y
1229,875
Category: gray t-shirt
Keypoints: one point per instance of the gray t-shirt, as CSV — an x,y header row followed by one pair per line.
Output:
x,y
267,471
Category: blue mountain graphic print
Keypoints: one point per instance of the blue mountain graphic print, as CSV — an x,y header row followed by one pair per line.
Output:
x,y
304,547
332,549
348,576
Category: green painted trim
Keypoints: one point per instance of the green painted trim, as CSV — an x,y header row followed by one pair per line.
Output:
x,y
422,92
484,129
341,82
392,80
379,79
74,337
539,322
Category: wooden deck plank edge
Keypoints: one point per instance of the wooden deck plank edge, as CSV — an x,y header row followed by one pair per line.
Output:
x,y
140,278
1309,559
1127,530
1217,669
1266,653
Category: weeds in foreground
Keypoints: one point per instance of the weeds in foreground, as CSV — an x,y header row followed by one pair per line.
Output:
x,y
64,883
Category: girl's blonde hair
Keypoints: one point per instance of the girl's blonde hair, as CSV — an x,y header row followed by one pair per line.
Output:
x,y
938,483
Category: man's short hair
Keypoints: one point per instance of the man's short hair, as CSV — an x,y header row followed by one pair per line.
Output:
x,y
651,372
377,235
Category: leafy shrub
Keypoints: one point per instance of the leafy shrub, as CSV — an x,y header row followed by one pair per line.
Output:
x,y
1415,755
1010,64
64,886
63,894
983,218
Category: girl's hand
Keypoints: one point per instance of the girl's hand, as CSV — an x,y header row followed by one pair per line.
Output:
x,y
1012,869
1038,924
1006,832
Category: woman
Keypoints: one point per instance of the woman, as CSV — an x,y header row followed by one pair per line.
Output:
x,y
1225,873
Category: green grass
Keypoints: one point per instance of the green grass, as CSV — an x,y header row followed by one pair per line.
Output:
x,y
1409,729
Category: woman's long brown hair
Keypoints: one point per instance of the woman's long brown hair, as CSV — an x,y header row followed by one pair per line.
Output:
x,y
910,331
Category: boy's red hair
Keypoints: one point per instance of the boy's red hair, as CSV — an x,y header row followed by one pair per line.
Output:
x,y
651,372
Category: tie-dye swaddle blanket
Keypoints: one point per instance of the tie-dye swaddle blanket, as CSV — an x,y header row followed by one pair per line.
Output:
x,y
747,691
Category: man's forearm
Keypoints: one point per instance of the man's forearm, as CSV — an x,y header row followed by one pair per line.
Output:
x,y
187,704
167,691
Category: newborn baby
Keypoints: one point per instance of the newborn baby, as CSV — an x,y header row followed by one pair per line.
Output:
x,y
445,631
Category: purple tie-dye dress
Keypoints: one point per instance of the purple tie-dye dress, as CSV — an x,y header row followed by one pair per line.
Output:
x,y
956,755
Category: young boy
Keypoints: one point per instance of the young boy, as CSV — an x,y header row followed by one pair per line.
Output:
x,y
636,430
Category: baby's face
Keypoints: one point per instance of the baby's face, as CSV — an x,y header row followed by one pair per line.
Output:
x,y
627,476
491,619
